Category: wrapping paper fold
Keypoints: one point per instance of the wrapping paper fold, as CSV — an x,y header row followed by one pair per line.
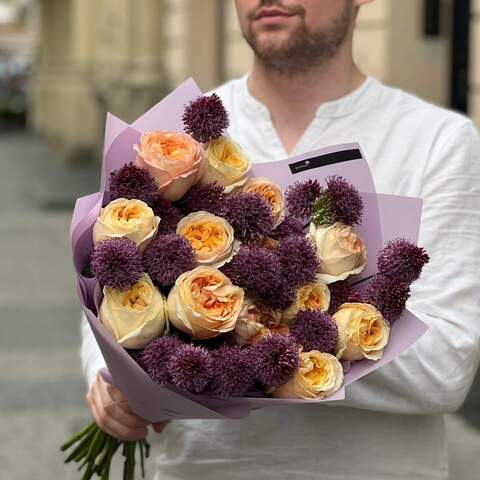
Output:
x,y
385,217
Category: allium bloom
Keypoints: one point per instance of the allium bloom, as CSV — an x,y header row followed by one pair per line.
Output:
x,y
346,204
301,197
155,356
279,295
117,263
315,330
208,198
341,292
169,215
276,359
191,368
290,227
167,257
402,260
249,215
205,118
233,372
388,296
253,268
298,259
133,182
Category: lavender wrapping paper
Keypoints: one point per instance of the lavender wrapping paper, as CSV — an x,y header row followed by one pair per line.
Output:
x,y
385,217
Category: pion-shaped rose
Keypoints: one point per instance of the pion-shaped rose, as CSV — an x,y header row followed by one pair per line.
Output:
x,y
340,250
257,320
175,160
271,193
320,375
227,164
211,237
204,303
312,296
132,219
135,316
362,332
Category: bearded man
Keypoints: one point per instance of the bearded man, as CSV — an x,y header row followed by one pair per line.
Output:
x,y
305,92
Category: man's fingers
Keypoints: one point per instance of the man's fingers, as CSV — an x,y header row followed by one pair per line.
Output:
x,y
130,420
159,426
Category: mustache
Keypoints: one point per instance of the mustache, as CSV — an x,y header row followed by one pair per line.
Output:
x,y
290,9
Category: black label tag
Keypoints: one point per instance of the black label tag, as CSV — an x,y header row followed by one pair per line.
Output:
x,y
324,160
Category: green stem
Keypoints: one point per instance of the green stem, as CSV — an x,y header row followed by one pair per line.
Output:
x,y
142,459
78,436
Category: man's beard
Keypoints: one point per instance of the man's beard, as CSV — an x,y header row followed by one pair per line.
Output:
x,y
304,49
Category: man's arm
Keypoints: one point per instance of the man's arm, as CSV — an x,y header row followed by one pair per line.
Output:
x,y
436,373
92,358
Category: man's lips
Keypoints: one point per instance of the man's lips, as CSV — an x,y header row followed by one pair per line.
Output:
x,y
272,13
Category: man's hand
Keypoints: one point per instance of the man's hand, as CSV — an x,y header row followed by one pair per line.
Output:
x,y
113,415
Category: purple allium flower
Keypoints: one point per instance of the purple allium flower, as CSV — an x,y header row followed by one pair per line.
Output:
x,y
346,204
298,259
169,215
117,263
288,228
315,330
167,257
132,182
233,372
154,357
209,198
301,197
191,368
279,295
205,118
388,296
276,359
341,292
249,215
402,260
253,268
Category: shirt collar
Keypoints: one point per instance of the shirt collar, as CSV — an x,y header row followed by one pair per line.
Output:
x,y
361,97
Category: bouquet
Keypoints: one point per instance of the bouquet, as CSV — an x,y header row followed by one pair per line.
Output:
x,y
214,286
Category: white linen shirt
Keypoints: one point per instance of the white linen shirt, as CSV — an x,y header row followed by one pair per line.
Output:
x,y
391,423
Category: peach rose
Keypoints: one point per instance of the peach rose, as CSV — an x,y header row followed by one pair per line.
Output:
x,y
257,320
211,237
135,316
204,303
340,250
132,219
175,160
271,193
227,164
312,296
320,375
362,332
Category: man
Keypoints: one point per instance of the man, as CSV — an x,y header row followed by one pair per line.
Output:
x,y
305,92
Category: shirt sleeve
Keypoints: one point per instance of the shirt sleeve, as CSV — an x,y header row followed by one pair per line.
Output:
x,y
92,358
435,374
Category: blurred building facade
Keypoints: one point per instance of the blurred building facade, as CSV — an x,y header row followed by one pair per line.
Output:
x,y
124,55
